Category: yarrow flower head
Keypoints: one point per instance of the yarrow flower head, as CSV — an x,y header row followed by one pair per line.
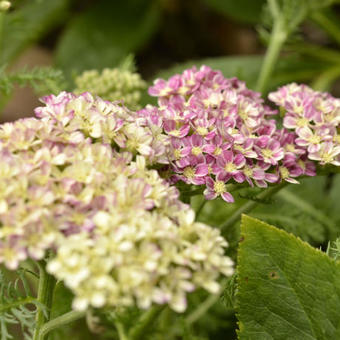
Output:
x,y
314,117
221,132
112,84
78,181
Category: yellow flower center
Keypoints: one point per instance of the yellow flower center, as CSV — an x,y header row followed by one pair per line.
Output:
x,y
189,172
267,153
177,154
175,133
298,109
239,148
217,151
314,139
327,158
219,187
248,171
302,122
202,131
290,147
230,167
301,164
243,114
284,172
196,150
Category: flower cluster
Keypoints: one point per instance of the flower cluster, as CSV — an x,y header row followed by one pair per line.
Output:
x,y
221,132
314,116
112,84
77,181
78,117
145,248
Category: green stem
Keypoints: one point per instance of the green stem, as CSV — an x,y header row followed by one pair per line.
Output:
x,y
250,205
121,331
277,39
2,17
202,309
145,321
58,322
45,295
200,207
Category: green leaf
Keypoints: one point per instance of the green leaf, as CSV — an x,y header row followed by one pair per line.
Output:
x,y
286,288
244,10
106,33
29,23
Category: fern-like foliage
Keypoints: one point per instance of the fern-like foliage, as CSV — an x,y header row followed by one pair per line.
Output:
x,y
17,306
44,80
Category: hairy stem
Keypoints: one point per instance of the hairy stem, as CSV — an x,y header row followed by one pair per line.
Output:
x,y
59,322
250,205
45,295
277,39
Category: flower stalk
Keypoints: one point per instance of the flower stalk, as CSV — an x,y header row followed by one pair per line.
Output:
x,y
59,322
45,297
250,205
145,321
277,39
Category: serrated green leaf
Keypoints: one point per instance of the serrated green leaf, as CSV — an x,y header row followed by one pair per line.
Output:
x,y
105,34
286,288
26,25
243,10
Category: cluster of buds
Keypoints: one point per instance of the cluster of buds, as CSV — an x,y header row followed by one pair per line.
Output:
x,y
77,181
221,133
314,116
112,84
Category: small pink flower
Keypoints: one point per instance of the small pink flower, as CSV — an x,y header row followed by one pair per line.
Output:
x,y
174,129
311,139
327,154
269,150
195,174
217,188
228,166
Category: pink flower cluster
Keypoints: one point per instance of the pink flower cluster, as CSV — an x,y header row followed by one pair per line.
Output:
x,y
222,132
314,116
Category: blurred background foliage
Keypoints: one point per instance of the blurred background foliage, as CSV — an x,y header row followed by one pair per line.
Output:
x,y
47,44
165,36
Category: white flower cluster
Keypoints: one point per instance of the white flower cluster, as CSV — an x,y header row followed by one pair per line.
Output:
x,y
146,248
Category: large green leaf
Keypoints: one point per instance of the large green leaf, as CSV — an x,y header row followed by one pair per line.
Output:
x,y
243,10
286,288
26,25
106,33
